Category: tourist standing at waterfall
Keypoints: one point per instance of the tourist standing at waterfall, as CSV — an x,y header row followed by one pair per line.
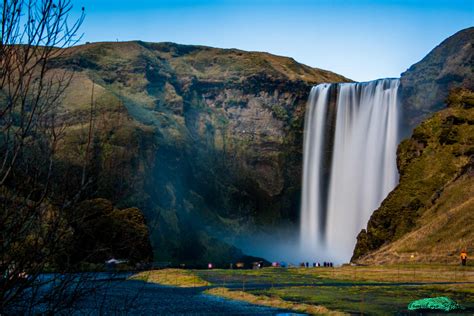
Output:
x,y
463,257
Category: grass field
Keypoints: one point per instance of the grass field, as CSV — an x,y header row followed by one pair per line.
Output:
x,y
372,300
271,300
353,274
395,273
171,277
371,290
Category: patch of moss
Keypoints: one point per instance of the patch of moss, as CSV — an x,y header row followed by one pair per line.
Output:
x,y
460,97
280,112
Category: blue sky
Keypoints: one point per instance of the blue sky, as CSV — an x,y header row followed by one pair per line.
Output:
x,y
362,40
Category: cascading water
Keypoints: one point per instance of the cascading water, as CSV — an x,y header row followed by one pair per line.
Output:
x,y
350,144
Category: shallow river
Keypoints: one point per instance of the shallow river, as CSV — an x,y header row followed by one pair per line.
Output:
x,y
140,298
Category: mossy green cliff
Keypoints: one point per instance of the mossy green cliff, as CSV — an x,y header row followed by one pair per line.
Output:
x,y
207,142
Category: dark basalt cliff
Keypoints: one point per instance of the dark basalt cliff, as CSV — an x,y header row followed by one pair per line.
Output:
x,y
207,142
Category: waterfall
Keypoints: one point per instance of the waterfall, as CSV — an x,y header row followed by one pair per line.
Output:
x,y
349,167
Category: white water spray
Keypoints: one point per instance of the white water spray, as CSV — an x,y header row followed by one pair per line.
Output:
x,y
349,167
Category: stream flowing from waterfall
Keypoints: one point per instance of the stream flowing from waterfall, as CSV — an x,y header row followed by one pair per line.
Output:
x,y
349,167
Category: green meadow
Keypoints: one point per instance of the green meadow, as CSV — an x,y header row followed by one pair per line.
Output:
x,y
371,290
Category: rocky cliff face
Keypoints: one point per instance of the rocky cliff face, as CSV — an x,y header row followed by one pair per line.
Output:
x,y
425,85
206,141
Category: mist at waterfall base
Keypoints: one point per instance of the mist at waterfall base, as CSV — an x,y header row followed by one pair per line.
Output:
x,y
349,167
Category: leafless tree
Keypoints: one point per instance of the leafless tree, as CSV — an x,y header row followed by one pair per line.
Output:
x,y
32,228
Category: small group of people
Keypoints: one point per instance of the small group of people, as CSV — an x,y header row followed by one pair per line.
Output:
x,y
316,264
